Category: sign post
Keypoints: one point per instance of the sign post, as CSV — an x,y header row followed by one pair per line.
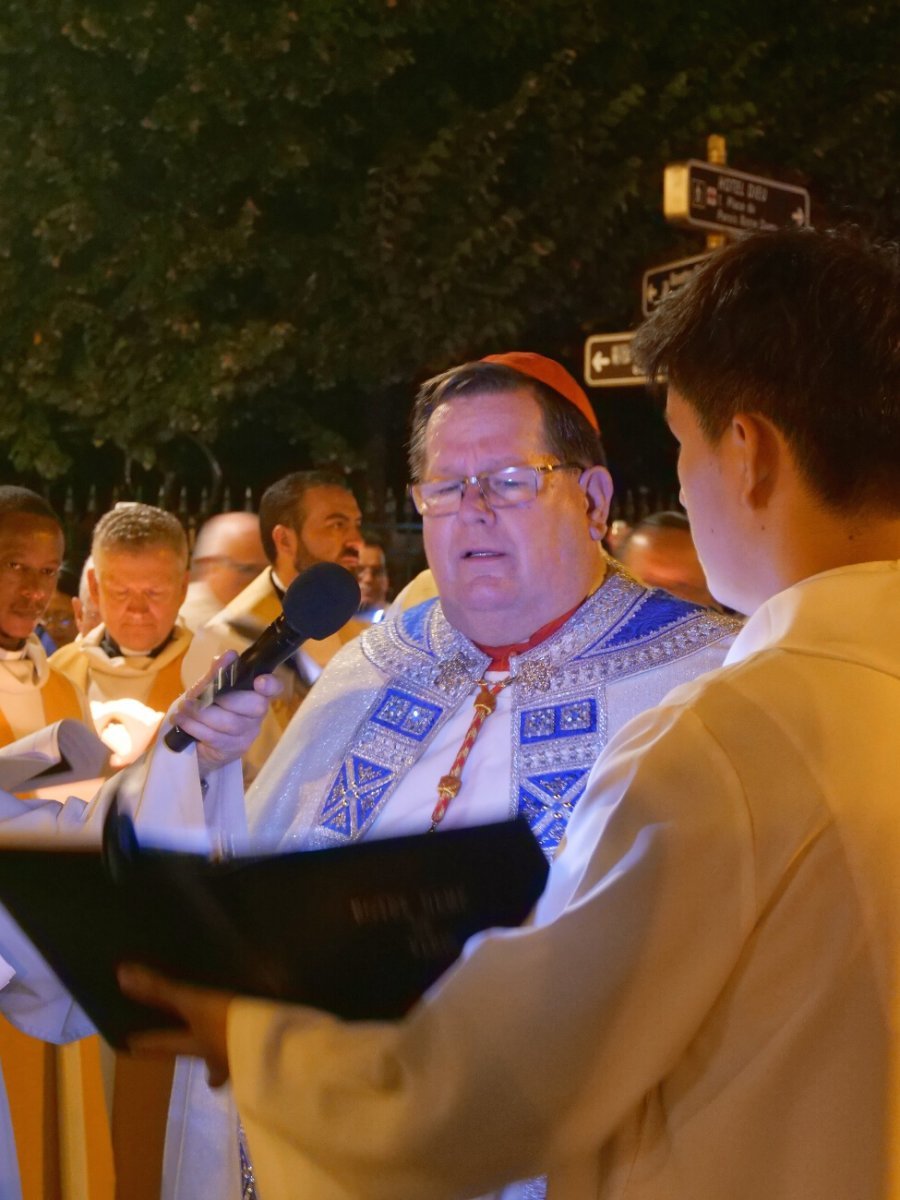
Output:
x,y
699,195
702,195
661,281
608,362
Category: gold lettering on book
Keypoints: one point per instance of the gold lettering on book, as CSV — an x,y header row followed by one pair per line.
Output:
x,y
382,908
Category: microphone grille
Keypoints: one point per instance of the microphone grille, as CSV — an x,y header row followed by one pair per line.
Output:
x,y
320,600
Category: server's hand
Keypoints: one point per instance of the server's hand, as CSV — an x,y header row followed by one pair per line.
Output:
x,y
203,1011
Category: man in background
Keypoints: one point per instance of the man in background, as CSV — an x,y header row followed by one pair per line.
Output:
x,y
57,626
305,518
32,692
661,553
87,616
130,665
228,553
372,576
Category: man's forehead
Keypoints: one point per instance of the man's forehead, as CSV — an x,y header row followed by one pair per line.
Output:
x,y
139,560
518,400
474,420
221,535
329,500
24,527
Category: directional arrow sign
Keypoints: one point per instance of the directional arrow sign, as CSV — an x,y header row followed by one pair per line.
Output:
x,y
660,281
607,361
702,195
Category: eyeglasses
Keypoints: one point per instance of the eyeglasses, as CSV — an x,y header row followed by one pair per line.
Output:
x,y
505,488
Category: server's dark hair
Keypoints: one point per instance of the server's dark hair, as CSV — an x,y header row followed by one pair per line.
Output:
x,y
803,327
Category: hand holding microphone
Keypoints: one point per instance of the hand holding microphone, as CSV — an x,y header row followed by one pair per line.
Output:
x,y
316,605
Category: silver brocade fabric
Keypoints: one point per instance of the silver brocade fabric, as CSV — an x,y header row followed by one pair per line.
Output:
x,y
383,699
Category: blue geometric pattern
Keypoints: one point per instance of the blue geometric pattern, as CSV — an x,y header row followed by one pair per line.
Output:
x,y
413,620
558,721
656,612
355,793
546,802
405,714
560,718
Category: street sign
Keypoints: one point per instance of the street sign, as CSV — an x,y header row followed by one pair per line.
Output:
x,y
660,281
607,361
702,195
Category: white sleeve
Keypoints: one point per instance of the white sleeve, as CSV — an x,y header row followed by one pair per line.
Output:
x,y
33,999
31,996
163,794
530,1051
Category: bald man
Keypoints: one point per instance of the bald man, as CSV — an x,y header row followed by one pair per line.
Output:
x,y
661,553
228,553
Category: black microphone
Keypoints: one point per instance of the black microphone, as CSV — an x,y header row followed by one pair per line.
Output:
x,y
316,605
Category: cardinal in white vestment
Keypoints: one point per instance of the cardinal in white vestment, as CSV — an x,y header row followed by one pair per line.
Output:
x,y
514,501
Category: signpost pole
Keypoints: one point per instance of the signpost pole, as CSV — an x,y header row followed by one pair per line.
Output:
x,y
724,203
716,152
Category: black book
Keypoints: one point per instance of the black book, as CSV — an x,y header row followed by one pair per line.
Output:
x,y
360,931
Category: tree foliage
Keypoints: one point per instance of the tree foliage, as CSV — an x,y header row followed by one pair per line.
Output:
x,y
289,209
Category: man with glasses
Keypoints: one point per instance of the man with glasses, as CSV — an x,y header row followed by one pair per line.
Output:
x,y
506,460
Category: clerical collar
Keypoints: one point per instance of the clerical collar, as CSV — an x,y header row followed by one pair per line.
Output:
x,y
279,587
500,655
12,655
112,649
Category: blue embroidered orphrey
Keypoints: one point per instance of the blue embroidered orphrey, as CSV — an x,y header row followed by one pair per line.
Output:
x,y
559,723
